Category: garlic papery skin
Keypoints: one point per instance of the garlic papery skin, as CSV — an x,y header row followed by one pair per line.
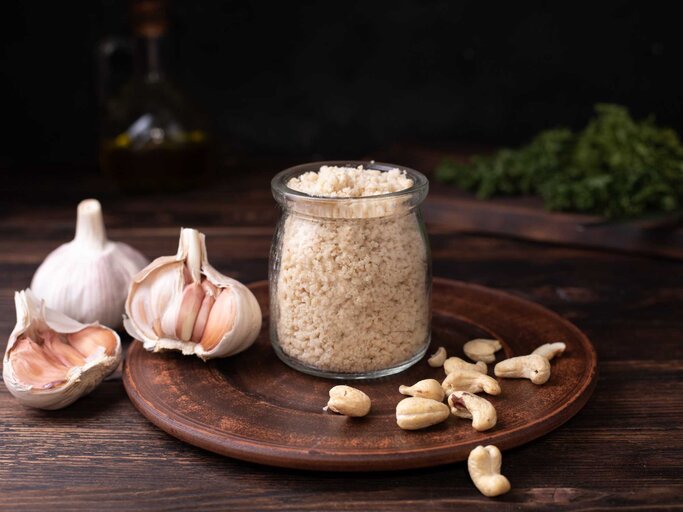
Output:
x,y
182,303
51,360
87,279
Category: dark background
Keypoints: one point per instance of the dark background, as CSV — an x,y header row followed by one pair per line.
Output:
x,y
341,79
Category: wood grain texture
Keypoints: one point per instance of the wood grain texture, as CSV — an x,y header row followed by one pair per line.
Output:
x,y
255,408
526,218
623,451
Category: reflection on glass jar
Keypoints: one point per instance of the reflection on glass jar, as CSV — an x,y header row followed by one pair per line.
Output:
x,y
350,278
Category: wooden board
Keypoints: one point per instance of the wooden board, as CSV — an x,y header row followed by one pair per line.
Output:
x,y
253,407
449,209
525,218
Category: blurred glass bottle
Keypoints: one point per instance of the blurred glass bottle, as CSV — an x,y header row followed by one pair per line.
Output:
x,y
152,138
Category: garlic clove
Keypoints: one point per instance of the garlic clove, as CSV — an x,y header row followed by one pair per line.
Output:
x,y
221,320
156,292
169,319
88,278
66,353
210,293
51,360
93,341
182,303
34,367
190,304
248,317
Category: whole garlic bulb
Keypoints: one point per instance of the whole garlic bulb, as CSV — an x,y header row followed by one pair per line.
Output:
x,y
87,279
51,360
182,303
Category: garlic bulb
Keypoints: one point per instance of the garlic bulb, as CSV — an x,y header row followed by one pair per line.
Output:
x,y
182,303
51,360
87,279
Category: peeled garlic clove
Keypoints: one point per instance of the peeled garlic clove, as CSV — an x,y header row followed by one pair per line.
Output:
x,y
87,279
182,303
51,360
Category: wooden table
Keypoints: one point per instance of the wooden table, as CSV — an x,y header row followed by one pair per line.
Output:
x,y
624,450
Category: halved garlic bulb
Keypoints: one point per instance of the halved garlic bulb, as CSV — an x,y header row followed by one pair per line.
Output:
x,y
51,360
182,303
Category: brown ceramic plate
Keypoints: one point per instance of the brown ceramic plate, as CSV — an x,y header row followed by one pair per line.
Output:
x,y
254,407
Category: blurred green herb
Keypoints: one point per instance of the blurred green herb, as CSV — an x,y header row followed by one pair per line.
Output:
x,y
616,167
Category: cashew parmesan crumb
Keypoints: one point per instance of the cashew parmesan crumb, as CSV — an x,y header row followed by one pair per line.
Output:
x,y
332,181
352,290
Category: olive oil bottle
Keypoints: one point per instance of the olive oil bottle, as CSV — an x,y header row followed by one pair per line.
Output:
x,y
152,138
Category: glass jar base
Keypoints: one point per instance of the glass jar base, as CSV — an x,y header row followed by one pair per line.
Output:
x,y
375,374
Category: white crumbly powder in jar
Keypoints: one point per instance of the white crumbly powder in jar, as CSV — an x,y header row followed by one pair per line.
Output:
x,y
352,291
332,181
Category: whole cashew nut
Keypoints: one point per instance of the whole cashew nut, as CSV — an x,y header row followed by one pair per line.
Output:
x,y
469,380
533,367
551,350
483,465
482,349
437,358
348,401
415,413
473,407
455,363
427,388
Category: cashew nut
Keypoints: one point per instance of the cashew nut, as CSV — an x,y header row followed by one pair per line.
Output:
x,y
427,388
482,350
470,406
484,467
469,380
415,413
348,401
551,350
455,363
437,358
533,367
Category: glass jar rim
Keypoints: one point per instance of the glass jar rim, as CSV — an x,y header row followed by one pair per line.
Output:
x,y
281,191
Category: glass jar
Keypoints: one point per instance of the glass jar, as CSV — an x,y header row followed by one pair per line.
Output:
x,y
350,278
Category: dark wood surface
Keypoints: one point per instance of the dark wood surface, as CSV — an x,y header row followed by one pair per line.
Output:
x,y
255,408
624,450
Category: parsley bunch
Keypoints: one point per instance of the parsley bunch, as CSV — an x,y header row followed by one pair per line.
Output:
x,y
616,167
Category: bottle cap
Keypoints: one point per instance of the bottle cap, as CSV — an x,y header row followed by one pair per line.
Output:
x,y
149,18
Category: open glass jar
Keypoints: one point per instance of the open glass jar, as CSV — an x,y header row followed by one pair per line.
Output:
x,y
350,278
